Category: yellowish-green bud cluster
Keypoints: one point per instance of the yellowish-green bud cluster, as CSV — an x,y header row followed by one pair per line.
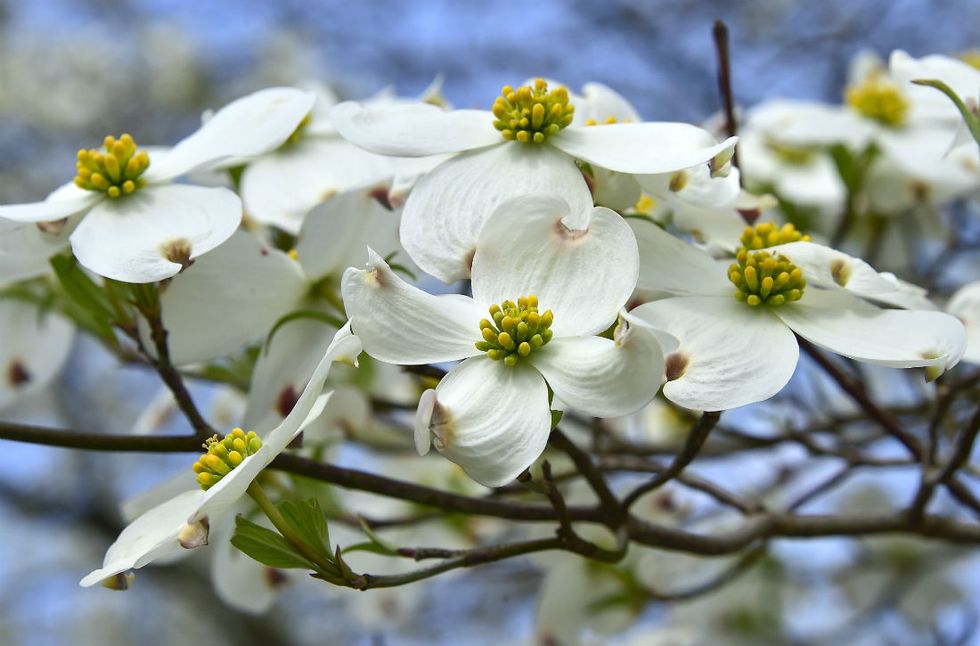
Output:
x,y
532,114
765,278
879,99
114,172
971,58
767,234
224,455
515,331
792,155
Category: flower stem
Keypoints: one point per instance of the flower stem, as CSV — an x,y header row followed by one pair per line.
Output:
x,y
261,498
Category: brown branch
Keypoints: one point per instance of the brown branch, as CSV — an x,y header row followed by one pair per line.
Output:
x,y
583,462
69,439
961,453
695,439
856,392
719,32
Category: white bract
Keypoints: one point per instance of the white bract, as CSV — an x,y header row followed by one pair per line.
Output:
x,y
961,77
182,521
965,305
528,144
34,345
803,175
233,296
141,227
312,166
735,324
491,413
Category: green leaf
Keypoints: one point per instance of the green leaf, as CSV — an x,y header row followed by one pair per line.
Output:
x,y
266,546
306,519
556,416
368,546
85,302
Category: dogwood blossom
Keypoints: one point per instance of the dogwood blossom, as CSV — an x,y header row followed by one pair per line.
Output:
x,y
491,413
965,305
735,324
314,164
527,144
182,521
209,315
141,227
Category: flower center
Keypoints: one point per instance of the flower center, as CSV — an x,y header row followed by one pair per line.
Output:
x,y
767,235
763,277
532,114
224,455
114,172
515,331
879,99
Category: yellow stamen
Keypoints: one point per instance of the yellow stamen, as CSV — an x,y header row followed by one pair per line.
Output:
x,y
115,172
515,331
224,455
531,115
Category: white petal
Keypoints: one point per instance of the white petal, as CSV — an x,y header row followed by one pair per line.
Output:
x,y
616,191
282,187
335,233
729,354
413,129
448,206
964,79
229,298
601,377
694,186
50,209
843,324
641,147
408,171
126,239
402,324
34,345
219,498
151,536
599,102
489,418
668,264
282,371
239,581
25,250
584,275
965,305
251,125
831,268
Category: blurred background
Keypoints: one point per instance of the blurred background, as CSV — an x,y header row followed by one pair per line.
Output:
x,y
72,71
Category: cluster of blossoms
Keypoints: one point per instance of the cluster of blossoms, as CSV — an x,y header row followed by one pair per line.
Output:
x,y
598,260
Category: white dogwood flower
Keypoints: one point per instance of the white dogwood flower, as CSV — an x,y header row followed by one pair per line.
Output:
x,y
141,227
35,346
527,144
541,291
314,164
735,323
965,305
224,473
803,175
235,294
